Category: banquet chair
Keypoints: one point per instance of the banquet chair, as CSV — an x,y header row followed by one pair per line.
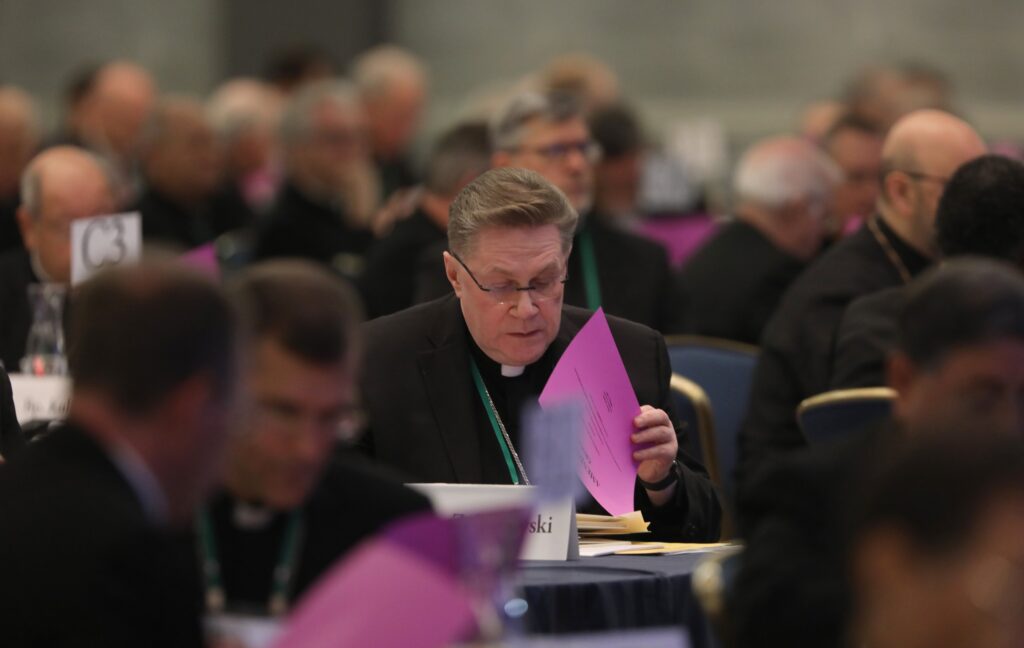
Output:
x,y
837,414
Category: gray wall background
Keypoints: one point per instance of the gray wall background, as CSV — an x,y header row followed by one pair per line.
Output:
x,y
749,64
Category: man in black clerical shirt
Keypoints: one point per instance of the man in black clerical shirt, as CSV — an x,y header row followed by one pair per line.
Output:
x,y
60,185
628,275
920,155
510,233
730,287
93,514
287,511
981,214
389,281
329,190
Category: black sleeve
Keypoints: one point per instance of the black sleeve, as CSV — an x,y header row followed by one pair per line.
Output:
x,y
11,440
866,336
431,282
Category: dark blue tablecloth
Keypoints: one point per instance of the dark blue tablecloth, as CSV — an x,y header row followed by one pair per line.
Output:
x,y
612,593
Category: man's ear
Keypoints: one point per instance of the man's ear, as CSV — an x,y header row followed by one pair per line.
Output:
x,y
27,226
451,270
898,191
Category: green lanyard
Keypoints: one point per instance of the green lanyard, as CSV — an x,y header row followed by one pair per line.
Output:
x,y
591,283
277,604
504,442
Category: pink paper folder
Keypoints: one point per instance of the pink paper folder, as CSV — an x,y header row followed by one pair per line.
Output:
x,y
204,259
591,372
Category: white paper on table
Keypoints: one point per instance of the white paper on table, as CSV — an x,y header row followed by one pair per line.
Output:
x,y
40,398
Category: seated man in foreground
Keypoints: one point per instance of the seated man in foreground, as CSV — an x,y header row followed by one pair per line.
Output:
x,y
287,512
446,380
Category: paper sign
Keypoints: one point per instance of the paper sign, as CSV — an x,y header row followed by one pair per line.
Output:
x,y
103,242
247,631
551,441
40,398
660,638
356,602
550,533
591,372
204,259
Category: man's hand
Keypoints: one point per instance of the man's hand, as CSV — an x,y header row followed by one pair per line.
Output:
x,y
654,429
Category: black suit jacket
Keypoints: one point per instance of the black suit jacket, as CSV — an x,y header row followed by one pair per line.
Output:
x,y
427,421
300,227
636,281
82,564
11,441
351,503
866,336
730,287
10,233
796,349
16,276
167,222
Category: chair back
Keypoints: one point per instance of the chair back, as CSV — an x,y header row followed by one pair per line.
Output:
x,y
837,414
724,370
694,410
713,582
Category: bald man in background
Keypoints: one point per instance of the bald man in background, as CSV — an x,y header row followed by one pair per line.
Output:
x,y
19,138
731,286
921,153
59,186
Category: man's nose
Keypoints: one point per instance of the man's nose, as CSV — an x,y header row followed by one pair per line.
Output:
x,y
524,304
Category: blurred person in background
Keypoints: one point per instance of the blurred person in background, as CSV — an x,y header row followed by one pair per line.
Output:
x,y
618,173
330,187
289,69
584,76
19,139
389,281
184,203
883,94
730,287
392,84
245,114
60,185
856,146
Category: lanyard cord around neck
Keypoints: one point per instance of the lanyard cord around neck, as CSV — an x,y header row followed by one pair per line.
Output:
x,y
504,441
588,259
890,252
284,570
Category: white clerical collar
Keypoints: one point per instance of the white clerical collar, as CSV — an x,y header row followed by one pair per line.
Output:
x,y
142,480
511,371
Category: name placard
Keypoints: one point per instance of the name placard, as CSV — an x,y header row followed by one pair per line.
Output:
x,y
104,241
40,397
551,534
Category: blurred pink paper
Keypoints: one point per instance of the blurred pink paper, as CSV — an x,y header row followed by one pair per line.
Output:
x,y
204,259
591,372
381,596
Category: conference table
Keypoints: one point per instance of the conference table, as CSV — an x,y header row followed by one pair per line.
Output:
x,y
613,593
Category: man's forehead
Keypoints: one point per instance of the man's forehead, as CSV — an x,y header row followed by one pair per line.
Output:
x,y
515,248
541,130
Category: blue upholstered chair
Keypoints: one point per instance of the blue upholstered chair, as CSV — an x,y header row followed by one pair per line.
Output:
x,y
837,414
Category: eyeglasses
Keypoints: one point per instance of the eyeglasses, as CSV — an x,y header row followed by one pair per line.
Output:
x,y
541,290
560,151
344,425
917,175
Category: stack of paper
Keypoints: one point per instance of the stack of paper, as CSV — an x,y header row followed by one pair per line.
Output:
x,y
670,548
590,525
590,548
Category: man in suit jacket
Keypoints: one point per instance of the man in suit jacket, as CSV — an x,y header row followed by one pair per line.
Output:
x,y
11,440
509,234
90,551
981,214
281,487
922,151
61,185
731,286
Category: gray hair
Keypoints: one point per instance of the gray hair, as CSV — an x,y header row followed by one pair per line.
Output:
x,y
784,170
31,183
508,124
377,69
463,151
297,120
508,197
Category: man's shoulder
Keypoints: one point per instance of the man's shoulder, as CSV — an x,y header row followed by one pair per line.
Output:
x,y
634,246
350,485
410,324
15,264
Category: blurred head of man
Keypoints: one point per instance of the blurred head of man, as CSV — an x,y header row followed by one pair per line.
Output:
x,y
393,85
323,132
292,67
960,350
920,155
783,186
589,79
299,385
151,352
111,115
548,134
937,559
883,94
459,156
509,237
245,114
181,157
856,146
618,173
59,186
19,137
